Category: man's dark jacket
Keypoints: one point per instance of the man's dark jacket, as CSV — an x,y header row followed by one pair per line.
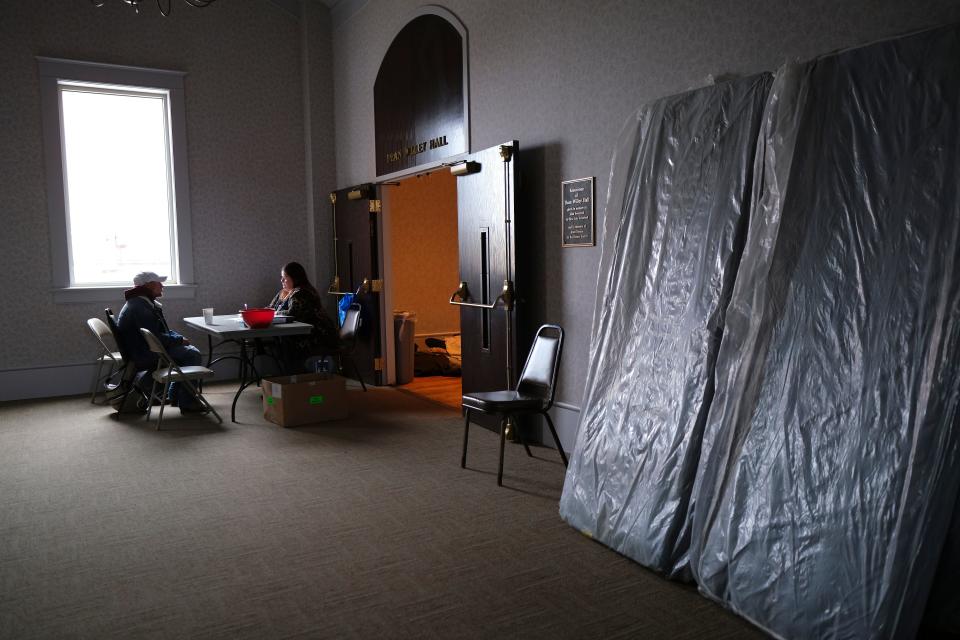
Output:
x,y
142,311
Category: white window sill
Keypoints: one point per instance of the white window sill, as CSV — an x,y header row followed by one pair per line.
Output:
x,y
115,294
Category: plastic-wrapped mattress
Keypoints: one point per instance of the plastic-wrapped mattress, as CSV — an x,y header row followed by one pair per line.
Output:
x,y
831,456
675,224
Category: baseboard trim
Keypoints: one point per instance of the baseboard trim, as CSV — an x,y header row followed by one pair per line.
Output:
x,y
57,380
567,422
53,381
437,334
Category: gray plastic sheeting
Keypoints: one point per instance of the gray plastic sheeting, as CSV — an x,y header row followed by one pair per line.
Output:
x,y
831,457
676,220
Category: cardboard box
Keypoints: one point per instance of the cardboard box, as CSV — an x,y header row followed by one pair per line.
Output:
x,y
304,399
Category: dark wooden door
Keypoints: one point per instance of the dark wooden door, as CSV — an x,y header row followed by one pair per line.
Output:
x,y
357,252
486,204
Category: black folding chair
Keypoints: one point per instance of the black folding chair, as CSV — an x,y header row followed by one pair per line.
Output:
x,y
348,339
126,389
534,393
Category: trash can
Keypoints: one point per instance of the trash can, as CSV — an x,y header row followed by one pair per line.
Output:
x,y
404,328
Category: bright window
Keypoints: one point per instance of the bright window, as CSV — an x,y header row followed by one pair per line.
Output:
x,y
116,162
117,187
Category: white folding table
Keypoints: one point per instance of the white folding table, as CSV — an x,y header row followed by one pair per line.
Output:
x,y
230,328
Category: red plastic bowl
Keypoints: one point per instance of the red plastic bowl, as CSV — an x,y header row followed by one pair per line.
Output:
x,y
257,318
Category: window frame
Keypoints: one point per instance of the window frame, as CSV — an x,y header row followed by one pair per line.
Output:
x,y
51,72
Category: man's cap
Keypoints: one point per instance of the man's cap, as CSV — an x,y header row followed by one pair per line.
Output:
x,y
145,277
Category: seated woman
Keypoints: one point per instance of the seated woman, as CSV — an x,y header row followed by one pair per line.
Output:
x,y
299,299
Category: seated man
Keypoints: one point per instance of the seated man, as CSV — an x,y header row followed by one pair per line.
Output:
x,y
142,311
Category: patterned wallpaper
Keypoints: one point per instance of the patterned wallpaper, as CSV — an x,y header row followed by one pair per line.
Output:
x,y
318,54
563,77
423,239
245,136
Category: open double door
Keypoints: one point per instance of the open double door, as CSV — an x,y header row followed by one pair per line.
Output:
x,y
486,210
356,245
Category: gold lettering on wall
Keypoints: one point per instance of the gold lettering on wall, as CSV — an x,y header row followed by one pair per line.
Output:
x,y
416,149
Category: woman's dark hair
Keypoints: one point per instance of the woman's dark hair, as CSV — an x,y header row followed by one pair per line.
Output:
x,y
298,274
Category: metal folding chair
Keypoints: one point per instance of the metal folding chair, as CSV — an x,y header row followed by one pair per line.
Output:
x,y
348,339
168,371
126,389
108,357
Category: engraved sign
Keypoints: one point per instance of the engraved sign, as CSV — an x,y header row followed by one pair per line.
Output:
x,y
577,212
419,96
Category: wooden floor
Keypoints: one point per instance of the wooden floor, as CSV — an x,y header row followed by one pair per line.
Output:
x,y
440,389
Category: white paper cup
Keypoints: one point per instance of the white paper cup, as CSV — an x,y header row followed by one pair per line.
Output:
x,y
208,315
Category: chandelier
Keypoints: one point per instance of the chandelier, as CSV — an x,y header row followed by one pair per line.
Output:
x,y
164,12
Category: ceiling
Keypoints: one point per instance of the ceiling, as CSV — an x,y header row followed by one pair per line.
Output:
x,y
293,6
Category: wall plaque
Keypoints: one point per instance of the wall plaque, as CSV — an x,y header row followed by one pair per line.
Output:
x,y
419,96
577,208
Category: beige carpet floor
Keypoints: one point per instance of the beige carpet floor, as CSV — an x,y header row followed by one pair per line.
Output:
x,y
365,528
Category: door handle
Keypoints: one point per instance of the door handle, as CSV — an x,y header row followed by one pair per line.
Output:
x,y
506,295
368,285
334,287
464,294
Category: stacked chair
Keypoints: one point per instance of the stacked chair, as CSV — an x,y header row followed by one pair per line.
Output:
x,y
125,396
109,358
